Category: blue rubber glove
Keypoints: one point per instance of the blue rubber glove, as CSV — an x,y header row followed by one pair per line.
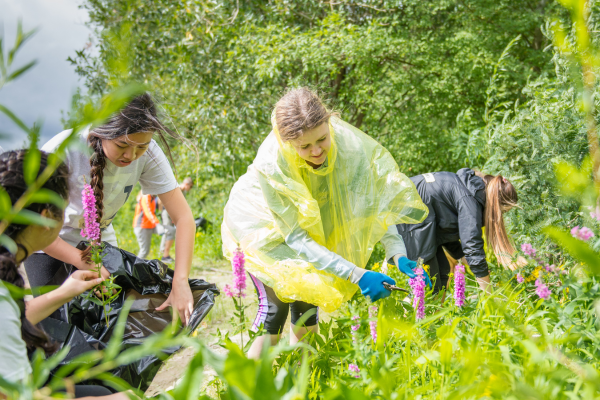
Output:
x,y
371,285
407,267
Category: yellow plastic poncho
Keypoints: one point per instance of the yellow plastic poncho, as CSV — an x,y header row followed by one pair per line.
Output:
x,y
346,205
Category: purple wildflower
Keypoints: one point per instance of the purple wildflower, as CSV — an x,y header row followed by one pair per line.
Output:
x,y
91,229
373,324
418,287
528,249
353,368
227,291
520,278
551,268
595,214
355,327
542,290
584,233
459,285
239,273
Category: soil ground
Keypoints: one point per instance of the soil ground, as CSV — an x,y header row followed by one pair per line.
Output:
x,y
219,317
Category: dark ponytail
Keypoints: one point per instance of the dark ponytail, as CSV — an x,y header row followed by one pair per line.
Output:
x,y
13,182
139,115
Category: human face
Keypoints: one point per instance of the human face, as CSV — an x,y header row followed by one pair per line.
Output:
x,y
125,149
314,145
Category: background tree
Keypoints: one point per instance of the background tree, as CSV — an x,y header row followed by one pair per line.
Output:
x,y
420,77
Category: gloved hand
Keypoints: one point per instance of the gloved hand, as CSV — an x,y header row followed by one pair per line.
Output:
x,y
371,285
160,230
407,267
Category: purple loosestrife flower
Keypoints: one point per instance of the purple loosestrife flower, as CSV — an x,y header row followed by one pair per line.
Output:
x,y
418,288
239,273
373,324
542,290
595,214
528,249
91,229
354,328
584,233
459,285
551,268
520,278
353,368
227,291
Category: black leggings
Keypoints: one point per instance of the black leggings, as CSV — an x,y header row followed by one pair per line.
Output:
x,y
91,391
272,313
439,267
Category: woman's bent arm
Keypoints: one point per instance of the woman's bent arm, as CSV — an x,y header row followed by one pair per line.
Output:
x,y
181,298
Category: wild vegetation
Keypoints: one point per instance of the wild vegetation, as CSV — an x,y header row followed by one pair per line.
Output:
x,y
503,86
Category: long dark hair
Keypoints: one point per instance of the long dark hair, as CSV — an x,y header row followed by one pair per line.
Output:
x,y
13,182
501,196
139,115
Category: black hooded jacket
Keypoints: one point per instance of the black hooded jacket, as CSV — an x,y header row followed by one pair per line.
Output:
x,y
456,203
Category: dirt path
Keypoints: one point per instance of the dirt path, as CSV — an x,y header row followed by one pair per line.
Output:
x,y
218,319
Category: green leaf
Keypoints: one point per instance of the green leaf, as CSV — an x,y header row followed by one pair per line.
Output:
x,y
8,243
188,388
5,203
47,196
27,217
575,247
239,371
19,71
31,164
14,118
115,343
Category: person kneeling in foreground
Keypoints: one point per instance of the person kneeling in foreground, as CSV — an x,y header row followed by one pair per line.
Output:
x,y
17,324
317,198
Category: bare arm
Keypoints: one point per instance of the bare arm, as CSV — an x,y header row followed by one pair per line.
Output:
x,y
42,306
63,251
181,298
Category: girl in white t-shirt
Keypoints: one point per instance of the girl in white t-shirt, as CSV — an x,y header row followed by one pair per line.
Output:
x,y
113,158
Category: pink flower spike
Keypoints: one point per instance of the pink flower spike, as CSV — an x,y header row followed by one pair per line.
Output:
x,y
583,233
459,285
373,324
542,290
239,273
418,288
520,278
595,214
528,250
91,229
353,368
227,291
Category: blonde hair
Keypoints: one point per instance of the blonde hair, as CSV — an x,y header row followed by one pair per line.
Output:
x,y
501,196
298,111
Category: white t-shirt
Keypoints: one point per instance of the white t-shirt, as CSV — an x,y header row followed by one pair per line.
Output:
x,y
14,364
151,170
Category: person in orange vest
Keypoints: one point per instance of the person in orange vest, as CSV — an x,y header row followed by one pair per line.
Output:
x,y
145,223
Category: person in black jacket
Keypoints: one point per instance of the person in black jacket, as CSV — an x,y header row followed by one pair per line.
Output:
x,y
460,205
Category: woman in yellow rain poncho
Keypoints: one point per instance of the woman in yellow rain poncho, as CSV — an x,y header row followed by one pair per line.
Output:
x,y
317,198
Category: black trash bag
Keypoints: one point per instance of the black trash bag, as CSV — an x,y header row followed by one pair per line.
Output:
x,y
81,325
202,223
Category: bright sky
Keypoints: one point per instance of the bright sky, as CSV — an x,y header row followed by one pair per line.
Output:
x,y
45,91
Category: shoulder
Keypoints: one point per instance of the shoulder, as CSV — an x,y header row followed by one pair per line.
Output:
x,y
52,145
